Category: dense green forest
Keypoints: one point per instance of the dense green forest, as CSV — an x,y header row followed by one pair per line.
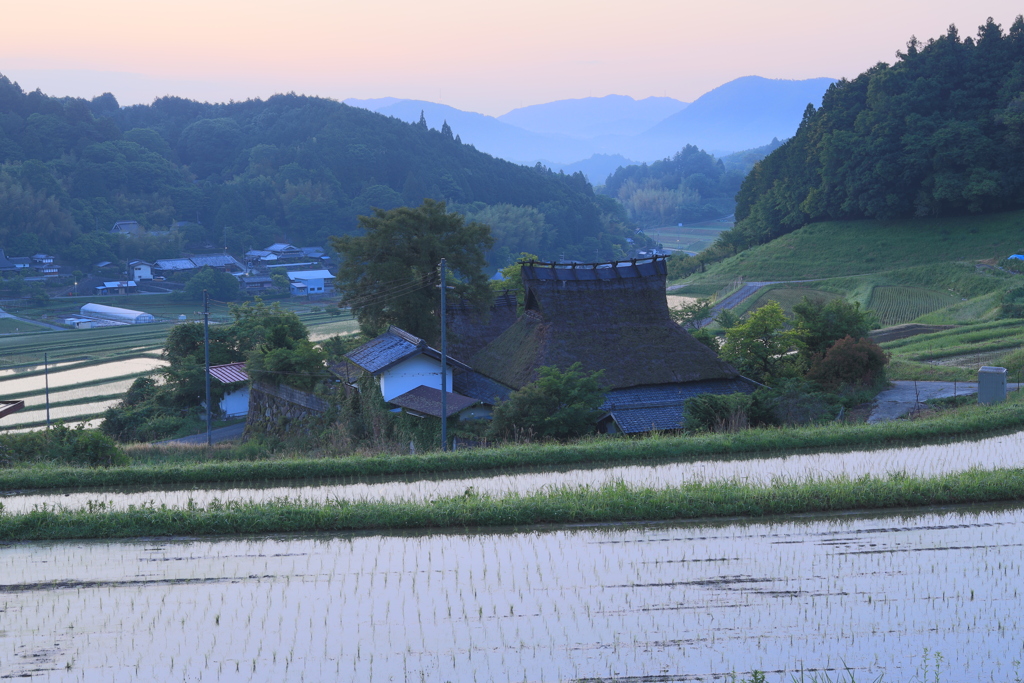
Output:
x,y
245,174
938,133
690,186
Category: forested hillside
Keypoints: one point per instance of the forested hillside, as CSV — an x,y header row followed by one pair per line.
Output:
x,y
690,186
249,173
938,133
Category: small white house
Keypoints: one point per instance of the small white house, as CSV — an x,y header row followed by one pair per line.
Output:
x,y
140,270
236,400
306,282
402,362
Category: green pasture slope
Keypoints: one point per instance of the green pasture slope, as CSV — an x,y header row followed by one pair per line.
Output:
x,y
923,270
845,248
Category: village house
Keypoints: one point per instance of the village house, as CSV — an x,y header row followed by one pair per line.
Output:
x,y
140,270
612,317
117,287
408,372
225,262
128,228
236,399
310,282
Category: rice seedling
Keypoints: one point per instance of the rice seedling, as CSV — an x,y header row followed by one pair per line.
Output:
x,y
898,305
650,602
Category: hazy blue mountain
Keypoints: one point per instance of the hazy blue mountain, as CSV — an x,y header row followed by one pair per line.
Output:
x,y
742,114
592,117
597,168
486,133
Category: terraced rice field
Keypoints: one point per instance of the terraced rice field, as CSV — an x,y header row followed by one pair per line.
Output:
x,y
924,461
899,305
688,237
872,595
89,370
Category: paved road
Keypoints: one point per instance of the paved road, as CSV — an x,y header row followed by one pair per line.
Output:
x,y
229,433
907,395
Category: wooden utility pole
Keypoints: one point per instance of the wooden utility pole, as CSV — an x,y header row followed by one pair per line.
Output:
x,y
444,362
206,350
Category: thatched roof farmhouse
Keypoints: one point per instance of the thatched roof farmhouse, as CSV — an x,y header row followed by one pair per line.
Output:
x,y
606,316
612,317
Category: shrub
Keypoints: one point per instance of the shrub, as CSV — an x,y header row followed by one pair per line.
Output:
x,y
718,412
850,362
820,324
1012,303
558,405
78,446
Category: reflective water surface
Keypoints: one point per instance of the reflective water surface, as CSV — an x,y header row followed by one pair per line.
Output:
x,y
651,603
993,452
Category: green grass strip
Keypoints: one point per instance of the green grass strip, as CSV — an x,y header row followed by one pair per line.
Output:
x,y
956,424
613,503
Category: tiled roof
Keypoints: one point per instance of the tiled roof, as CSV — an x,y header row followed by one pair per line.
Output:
x,y
669,394
174,264
427,400
660,406
654,418
393,347
215,260
229,373
309,275
484,389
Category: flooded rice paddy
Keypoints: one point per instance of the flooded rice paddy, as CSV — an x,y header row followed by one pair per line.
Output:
x,y
994,452
673,602
65,378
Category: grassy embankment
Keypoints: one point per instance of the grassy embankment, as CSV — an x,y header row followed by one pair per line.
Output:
x,y
934,271
614,503
249,464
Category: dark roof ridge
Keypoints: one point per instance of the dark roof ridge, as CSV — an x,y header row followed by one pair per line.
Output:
x,y
407,336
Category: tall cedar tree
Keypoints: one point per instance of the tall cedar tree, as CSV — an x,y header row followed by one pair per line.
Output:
x,y
938,133
389,275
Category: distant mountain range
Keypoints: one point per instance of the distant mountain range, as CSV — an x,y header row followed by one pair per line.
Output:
x,y
597,134
593,117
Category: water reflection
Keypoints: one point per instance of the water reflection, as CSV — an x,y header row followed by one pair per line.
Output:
x,y
650,603
994,452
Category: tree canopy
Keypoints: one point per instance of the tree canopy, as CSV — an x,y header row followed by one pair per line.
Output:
x,y
245,174
389,275
938,133
558,405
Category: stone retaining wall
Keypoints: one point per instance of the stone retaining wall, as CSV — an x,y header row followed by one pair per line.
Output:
x,y
280,410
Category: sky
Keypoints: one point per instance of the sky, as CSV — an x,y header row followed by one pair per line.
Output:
x,y
488,56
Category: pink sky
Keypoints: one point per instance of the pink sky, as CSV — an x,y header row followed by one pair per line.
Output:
x,y
488,56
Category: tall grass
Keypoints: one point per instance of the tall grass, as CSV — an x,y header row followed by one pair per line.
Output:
x,y
262,465
613,503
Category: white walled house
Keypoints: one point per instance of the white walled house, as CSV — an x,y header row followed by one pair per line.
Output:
x,y
402,362
236,398
415,371
140,270
306,282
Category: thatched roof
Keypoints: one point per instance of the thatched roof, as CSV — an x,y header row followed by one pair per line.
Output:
x,y
610,316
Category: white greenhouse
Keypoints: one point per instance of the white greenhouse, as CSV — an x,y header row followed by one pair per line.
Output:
x,y
121,315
